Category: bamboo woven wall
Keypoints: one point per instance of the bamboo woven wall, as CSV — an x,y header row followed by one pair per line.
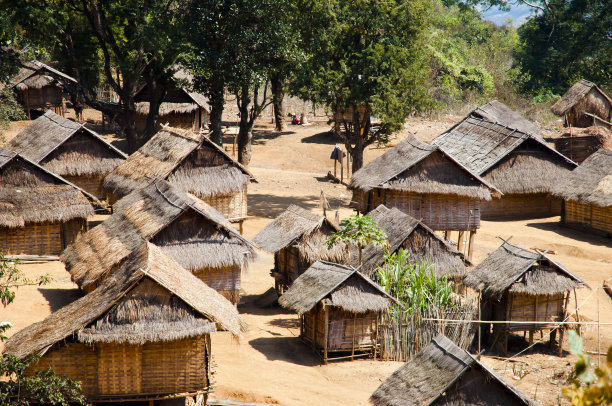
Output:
x,y
33,239
187,121
577,148
521,206
232,206
525,307
45,97
589,216
225,280
593,103
91,184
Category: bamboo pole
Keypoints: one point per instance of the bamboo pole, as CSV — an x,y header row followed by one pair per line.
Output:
x,y
325,336
598,333
577,315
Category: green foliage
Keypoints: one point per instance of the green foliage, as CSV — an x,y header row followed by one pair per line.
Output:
x,y
12,278
10,110
358,230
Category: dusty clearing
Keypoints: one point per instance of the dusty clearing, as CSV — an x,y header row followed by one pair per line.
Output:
x,y
270,364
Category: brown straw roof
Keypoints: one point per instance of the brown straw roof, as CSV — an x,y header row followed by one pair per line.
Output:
x,y
132,306
204,239
341,286
573,95
497,112
36,75
522,271
400,168
433,371
591,182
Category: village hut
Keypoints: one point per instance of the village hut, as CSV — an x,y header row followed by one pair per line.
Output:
x,y
444,374
528,290
144,335
339,309
418,240
522,166
40,87
297,239
425,182
497,112
68,149
191,162
197,236
587,194
40,212
584,105
579,143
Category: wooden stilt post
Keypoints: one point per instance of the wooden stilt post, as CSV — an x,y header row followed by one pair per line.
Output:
x,y
335,164
314,328
353,340
325,337
341,172
348,159
28,103
460,242
577,315
471,244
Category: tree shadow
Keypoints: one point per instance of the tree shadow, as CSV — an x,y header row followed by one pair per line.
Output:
x,y
270,206
325,137
573,233
58,298
285,323
288,349
247,306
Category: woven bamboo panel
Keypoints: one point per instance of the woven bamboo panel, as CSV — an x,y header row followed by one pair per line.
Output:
x,y
226,281
71,229
347,328
33,239
91,184
535,308
577,148
232,206
598,218
521,206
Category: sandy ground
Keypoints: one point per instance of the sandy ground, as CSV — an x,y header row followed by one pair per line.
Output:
x,y
270,364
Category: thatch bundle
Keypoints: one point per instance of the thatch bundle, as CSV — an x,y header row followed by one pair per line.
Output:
x,y
36,75
497,112
208,181
575,95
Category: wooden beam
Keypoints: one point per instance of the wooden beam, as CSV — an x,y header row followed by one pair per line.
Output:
x,y
325,336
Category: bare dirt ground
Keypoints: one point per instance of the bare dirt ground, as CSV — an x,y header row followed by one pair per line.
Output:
x,y
270,364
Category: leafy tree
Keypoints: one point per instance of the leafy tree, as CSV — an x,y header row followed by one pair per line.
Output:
x,y
359,230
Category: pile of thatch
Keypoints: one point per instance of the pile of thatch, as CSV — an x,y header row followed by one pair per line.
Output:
x,y
435,375
574,95
36,75
514,269
341,286
150,298
497,112
32,194
193,233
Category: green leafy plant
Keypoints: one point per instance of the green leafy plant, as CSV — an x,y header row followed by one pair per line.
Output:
x,y
12,278
359,230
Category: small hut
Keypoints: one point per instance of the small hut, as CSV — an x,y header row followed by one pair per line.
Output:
x,y
425,182
191,162
40,87
144,335
444,374
528,289
297,239
338,308
579,143
584,105
520,165
40,212
404,231
587,194
70,150
197,236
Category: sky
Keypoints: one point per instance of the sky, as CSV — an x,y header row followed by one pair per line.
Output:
x,y
518,14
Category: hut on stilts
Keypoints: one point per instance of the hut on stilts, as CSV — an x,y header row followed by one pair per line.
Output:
x,y
584,105
191,162
528,290
339,309
70,150
297,239
144,335
197,236
40,212
39,87
520,165
444,374
425,182
587,194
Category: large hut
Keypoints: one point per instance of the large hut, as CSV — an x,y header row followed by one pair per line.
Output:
x,y
297,239
520,165
70,150
197,236
191,162
587,194
339,309
584,105
144,335
444,374
40,212
425,182
40,87
527,289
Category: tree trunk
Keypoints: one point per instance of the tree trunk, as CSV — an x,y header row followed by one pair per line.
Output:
x,y
245,133
129,129
216,113
156,94
358,148
278,95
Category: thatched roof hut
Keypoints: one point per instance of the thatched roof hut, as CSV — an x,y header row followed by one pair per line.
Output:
x,y
152,312
40,212
523,287
297,239
197,236
497,112
338,308
523,167
68,149
404,231
584,105
191,162
444,374
587,192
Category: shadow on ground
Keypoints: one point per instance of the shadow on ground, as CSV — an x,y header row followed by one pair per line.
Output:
x,y
270,206
285,323
573,233
58,298
289,349
247,306
325,137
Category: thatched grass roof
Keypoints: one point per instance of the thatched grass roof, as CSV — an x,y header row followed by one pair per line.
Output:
x,y
31,194
406,167
66,147
497,112
591,182
415,237
341,286
187,159
193,233
150,298
36,75
573,95
515,269
433,371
